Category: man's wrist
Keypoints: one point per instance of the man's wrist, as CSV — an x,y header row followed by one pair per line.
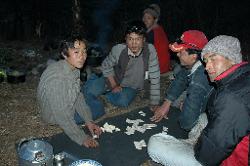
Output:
x,y
114,86
167,102
166,105
89,122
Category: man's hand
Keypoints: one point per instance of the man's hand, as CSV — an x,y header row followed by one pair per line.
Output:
x,y
117,89
161,112
114,87
94,129
153,108
90,143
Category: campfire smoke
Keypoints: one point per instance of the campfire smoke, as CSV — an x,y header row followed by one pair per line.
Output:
x,y
101,17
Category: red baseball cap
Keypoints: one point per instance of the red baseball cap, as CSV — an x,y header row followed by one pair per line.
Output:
x,y
193,39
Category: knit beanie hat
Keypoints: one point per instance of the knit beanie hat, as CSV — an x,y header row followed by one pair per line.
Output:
x,y
154,10
226,46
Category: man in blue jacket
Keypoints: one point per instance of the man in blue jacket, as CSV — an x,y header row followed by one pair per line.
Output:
x,y
191,78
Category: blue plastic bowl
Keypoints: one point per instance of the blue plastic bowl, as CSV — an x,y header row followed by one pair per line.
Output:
x,y
85,161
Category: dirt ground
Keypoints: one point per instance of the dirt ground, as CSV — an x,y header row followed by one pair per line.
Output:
x,y
19,115
19,118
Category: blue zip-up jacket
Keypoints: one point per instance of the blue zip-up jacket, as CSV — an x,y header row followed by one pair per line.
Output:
x,y
198,88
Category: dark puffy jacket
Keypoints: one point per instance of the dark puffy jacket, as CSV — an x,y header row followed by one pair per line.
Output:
x,y
228,120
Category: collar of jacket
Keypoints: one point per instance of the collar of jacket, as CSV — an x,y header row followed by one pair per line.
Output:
x,y
68,69
233,72
195,67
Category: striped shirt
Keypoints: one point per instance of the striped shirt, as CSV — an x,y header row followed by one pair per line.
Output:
x,y
59,97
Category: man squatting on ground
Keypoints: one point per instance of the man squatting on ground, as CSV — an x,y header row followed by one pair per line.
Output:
x,y
59,95
225,139
124,71
191,78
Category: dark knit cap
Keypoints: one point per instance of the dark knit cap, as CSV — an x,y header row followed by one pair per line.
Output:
x,y
154,10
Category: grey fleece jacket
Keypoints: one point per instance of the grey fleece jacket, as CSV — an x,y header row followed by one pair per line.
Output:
x,y
59,97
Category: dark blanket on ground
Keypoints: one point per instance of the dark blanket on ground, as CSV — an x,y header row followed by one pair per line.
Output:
x,y
117,148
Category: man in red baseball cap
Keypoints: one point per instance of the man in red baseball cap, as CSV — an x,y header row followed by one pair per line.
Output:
x,y
191,78
192,39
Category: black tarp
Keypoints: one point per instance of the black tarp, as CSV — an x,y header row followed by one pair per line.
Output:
x,y
117,148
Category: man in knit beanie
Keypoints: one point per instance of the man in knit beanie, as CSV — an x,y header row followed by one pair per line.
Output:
x,y
225,140
157,36
226,46
154,10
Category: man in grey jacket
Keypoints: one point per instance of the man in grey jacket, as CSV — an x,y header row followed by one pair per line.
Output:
x,y
59,95
124,71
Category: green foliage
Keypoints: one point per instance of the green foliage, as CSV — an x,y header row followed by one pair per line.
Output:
x,y
2,73
5,54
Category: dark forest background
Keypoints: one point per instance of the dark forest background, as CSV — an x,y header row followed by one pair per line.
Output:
x,y
103,21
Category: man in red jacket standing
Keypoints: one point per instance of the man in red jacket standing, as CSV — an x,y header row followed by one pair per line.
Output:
x,y
157,36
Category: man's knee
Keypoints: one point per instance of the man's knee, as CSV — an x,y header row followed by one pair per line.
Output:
x,y
188,122
119,100
186,125
123,102
153,147
128,98
95,85
98,113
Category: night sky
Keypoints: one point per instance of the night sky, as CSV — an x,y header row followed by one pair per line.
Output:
x,y
104,20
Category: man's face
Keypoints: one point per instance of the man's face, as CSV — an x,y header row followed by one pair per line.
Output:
x,y
216,64
186,59
135,42
148,20
77,55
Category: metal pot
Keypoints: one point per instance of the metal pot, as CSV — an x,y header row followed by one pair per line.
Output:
x,y
35,152
15,77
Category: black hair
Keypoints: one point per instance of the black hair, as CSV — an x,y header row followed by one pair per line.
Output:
x,y
137,27
194,48
194,51
69,43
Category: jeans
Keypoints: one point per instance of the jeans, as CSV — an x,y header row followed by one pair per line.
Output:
x,y
96,86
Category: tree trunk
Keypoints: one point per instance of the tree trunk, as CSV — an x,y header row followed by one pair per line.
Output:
x,y
77,20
